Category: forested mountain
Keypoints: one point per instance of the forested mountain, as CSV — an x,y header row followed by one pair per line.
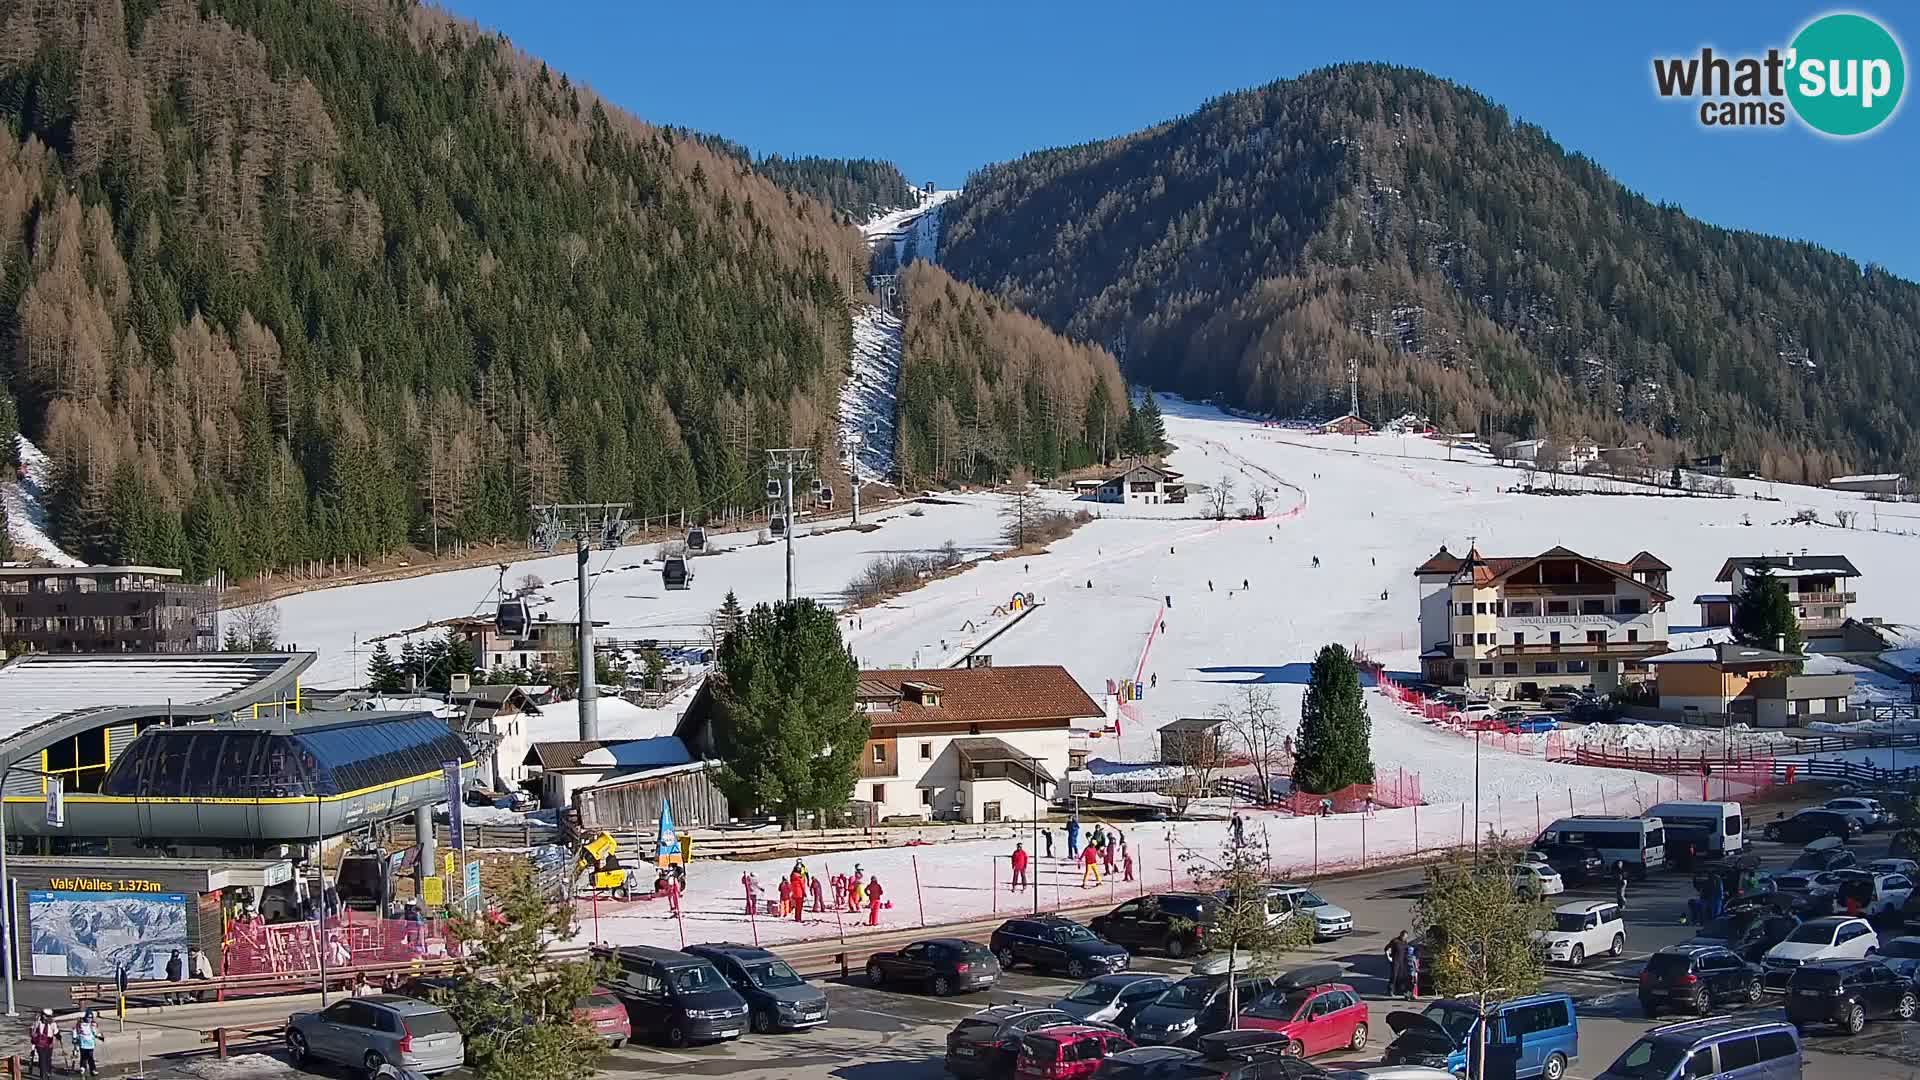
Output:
x,y
1475,270
295,279
856,187
985,389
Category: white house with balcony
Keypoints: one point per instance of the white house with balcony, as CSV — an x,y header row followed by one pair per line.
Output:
x,y
1141,484
1519,626
972,744
1820,587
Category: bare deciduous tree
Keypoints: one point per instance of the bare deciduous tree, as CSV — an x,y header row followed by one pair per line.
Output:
x,y
1259,495
253,628
530,583
1256,727
1220,499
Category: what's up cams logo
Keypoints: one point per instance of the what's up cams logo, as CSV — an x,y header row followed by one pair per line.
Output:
x,y
1842,76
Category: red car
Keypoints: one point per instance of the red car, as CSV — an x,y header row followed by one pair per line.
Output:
x,y
1316,1014
607,1014
1067,1052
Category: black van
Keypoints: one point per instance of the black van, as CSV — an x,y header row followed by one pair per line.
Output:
x,y
672,997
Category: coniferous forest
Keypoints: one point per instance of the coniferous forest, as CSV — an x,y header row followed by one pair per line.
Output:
x,y
293,280
1477,272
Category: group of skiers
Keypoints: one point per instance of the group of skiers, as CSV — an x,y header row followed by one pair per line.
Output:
x,y
850,893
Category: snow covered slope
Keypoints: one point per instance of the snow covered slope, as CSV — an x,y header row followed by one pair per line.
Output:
x,y
25,500
868,397
914,231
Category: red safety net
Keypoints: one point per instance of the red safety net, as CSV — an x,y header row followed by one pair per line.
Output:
x,y
353,940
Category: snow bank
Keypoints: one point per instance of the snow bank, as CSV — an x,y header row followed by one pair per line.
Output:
x,y
25,500
1669,738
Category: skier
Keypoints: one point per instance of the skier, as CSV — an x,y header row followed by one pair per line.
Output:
x,y
1316,562
1154,682
42,1037
874,893
1073,836
752,888
786,896
1047,834
859,889
1019,867
1126,863
1244,584
1106,855
819,896
839,891
1209,584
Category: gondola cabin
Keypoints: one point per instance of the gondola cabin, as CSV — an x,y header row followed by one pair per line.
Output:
x,y
824,497
512,619
675,573
777,525
696,539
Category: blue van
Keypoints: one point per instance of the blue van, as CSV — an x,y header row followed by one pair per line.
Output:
x,y
1726,1048
1539,1033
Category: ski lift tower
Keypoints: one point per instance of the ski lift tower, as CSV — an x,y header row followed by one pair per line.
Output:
x,y
586,524
783,468
850,454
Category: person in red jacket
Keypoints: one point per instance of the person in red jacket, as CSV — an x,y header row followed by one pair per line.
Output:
x,y
873,901
1019,867
799,890
1089,866
786,897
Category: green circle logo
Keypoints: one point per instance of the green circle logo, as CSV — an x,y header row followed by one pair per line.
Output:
x,y
1847,74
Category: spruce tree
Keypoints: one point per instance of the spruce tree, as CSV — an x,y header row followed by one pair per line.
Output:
x,y
1153,427
1333,750
409,665
1763,616
789,735
383,675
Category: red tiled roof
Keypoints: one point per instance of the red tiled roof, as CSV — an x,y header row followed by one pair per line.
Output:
x,y
1488,570
1647,560
981,695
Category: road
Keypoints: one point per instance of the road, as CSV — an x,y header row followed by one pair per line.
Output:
x,y
884,1034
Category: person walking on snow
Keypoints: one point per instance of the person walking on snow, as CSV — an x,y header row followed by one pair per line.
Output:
x,y
1239,831
751,885
1089,867
859,889
1019,867
819,896
42,1037
874,893
839,891
1126,863
1047,835
1154,681
1073,836
786,896
1107,855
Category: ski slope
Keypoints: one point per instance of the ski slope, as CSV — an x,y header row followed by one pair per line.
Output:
x,y
24,497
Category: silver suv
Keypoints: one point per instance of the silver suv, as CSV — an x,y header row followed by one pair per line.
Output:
x,y
386,1029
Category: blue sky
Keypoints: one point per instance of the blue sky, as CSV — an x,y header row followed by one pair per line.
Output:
x,y
941,90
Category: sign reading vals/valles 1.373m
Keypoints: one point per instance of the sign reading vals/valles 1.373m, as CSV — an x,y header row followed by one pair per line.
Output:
x,y
118,885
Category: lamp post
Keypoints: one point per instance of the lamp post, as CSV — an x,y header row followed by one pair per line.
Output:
x,y
320,857
6,880
1476,792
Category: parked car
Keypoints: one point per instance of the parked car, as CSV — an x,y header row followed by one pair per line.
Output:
x,y
1793,887
1811,824
1826,853
386,1029
1584,928
1330,920
1728,1048
1534,723
1560,699
1114,999
1869,813
940,966
1155,1063
1540,1031
1902,954
1316,1013
1593,711
1749,931
1054,943
1848,993
1575,863
778,999
1196,1006
1174,923
1833,938
986,1045
674,997
1537,878
1695,978
606,1014
1067,1052
1893,866
1877,894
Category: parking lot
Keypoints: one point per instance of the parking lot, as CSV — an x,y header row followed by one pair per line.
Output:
x,y
883,1033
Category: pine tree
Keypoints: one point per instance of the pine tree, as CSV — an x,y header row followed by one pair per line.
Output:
x,y
726,618
1763,614
383,675
1333,751
410,671
789,736
1153,427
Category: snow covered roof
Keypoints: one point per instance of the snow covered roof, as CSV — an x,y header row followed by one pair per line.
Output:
x,y
38,688
1866,478
1789,566
607,755
619,719
1725,654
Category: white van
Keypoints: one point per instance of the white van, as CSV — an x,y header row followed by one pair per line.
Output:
x,y
1715,827
1638,842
